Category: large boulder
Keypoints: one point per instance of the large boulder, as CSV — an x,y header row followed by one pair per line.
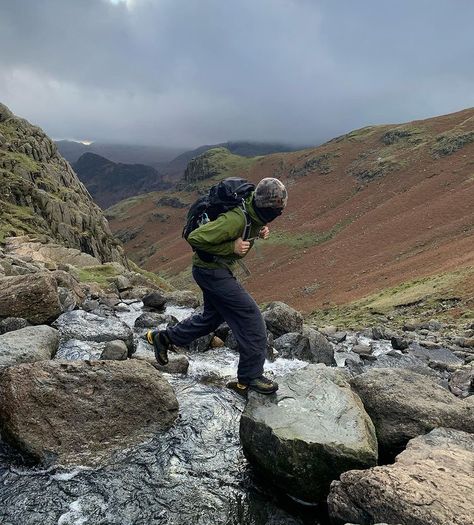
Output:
x,y
33,343
33,297
311,431
79,411
184,298
309,346
430,484
437,358
282,319
404,404
85,326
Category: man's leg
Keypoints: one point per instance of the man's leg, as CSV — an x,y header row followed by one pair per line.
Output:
x,y
196,325
243,316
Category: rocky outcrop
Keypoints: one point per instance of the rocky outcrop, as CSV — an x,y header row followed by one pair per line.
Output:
x,y
40,193
78,412
306,435
33,343
33,297
282,319
429,484
403,404
85,326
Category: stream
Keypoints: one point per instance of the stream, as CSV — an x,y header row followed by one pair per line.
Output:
x,y
193,474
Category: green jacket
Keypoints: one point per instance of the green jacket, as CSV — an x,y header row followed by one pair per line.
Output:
x,y
217,237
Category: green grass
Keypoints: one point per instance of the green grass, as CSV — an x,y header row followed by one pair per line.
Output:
x,y
121,209
306,239
214,165
18,220
432,296
164,284
100,274
450,142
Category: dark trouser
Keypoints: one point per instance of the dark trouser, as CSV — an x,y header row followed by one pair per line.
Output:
x,y
226,300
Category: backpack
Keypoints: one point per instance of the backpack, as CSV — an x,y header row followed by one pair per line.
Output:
x,y
224,196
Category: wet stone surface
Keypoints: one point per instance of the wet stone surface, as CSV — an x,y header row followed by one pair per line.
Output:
x,y
194,473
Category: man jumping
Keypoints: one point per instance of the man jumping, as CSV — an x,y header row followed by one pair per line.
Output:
x,y
225,299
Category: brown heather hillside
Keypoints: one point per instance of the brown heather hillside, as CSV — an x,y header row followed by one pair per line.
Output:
x,y
367,211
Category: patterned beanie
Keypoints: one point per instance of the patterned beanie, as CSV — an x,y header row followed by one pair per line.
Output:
x,y
270,193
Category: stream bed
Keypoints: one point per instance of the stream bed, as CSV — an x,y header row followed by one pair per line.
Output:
x,y
193,474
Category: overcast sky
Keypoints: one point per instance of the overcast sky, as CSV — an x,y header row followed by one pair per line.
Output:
x,y
192,72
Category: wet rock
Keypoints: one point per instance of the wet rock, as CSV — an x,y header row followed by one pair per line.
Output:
x,y
153,320
90,304
338,337
308,433
222,331
33,343
429,484
408,362
177,364
183,298
399,343
461,382
32,297
282,319
382,332
85,326
75,350
309,346
11,324
135,293
217,342
231,341
155,300
362,349
438,358
201,344
115,351
403,404
66,299
129,401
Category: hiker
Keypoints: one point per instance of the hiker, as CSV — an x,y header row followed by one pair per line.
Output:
x,y
225,299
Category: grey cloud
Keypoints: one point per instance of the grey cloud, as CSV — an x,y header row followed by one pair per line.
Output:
x,y
188,72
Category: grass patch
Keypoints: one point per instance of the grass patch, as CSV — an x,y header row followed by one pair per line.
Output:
x,y
306,239
437,296
402,134
215,164
367,167
321,164
164,284
100,274
448,143
121,209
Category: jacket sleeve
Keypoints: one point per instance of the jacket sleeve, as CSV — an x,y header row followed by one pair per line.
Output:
x,y
217,237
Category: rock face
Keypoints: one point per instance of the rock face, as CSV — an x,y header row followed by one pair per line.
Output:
x,y
306,435
403,404
430,484
33,343
40,193
78,412
282,319
32,297
85,326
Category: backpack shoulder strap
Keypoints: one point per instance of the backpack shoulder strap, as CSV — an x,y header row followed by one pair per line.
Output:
x,y
248,221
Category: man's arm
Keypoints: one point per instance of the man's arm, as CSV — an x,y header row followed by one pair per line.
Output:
x,y
218,237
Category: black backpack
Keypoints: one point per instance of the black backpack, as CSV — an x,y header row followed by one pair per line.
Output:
x,y
224,196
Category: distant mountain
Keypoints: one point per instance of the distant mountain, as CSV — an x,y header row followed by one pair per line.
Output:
x,y
176,168
381,209
109,182
155,156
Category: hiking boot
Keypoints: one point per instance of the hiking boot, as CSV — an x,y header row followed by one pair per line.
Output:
x,y
261,384
161,343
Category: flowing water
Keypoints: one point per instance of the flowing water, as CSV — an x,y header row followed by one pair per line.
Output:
x,y
193,474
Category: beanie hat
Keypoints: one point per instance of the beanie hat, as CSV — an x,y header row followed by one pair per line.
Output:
x,y
270,193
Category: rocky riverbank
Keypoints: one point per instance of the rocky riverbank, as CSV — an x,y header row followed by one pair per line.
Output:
x,y
92,430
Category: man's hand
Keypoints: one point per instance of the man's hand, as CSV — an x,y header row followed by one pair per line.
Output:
x,y
264,232
241,247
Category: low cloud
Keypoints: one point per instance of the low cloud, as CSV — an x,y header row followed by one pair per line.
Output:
x,y
189,72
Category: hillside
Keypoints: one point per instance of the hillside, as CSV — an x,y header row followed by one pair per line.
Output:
x,y
110,182
367,212
41,194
